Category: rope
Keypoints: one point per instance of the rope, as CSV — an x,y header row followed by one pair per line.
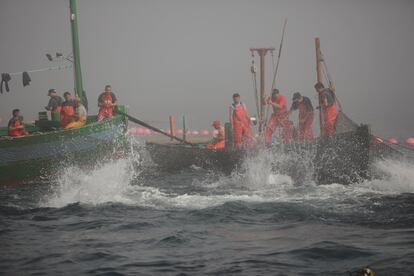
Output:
x,y
253,69
43,69
279,54
328,78
394,146
275,70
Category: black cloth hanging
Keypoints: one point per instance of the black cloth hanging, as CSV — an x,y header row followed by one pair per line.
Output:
x,y
26,79
5,78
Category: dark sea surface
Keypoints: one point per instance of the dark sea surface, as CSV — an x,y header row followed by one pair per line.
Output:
x,y
121,219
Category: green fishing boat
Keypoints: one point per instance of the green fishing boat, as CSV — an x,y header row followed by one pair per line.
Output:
x,y
48,148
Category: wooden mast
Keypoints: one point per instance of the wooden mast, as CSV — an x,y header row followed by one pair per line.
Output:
x,y
319,78
262,53
76,55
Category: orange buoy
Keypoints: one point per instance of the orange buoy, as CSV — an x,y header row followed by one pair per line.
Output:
x,y
410,141
195,132
392,141
205,132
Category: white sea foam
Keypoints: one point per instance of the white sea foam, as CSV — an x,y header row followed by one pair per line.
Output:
x,y
115,182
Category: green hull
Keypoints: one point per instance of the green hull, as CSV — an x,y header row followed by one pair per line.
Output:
x,y
41,155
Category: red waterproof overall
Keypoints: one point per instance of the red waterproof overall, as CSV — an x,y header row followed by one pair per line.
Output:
x,y
305,123
16,132
105,111
241,125
219,142
66,115
330,113
279,118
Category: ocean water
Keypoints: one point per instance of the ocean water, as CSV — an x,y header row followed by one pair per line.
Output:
x,y
127,219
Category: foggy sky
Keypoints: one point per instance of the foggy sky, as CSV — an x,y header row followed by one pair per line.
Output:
x,y
188,57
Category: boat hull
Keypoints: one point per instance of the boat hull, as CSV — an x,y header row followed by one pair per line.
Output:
x,y
41,155
342,158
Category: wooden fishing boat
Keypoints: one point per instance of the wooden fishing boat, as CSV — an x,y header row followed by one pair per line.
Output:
x,y
345,157
42,153
48,148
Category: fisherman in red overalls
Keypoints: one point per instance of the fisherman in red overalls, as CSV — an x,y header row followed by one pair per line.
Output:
x,y
306,116
280,117
67,113
218,141
241,122
55,101
329,109
106,102
15,126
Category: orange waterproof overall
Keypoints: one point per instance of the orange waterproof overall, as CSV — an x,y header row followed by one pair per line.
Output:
x,y
16,132
66,115
330,113
105,111
241,125
279,118
219,142
305,123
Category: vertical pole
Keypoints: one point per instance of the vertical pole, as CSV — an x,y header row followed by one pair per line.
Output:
x,y
262,54
231,116
184,129
172,127
319,77
228,134
76,54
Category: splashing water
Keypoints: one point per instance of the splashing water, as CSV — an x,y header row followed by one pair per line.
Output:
x,y
107,182
117,181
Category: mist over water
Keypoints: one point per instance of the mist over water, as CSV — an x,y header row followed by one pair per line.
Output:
x,y
128,218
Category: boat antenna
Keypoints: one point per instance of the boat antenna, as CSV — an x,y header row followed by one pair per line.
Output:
x,y
77,72
253,70
319,78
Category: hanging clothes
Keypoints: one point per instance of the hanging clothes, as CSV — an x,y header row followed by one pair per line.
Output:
x,y
5,78
26,79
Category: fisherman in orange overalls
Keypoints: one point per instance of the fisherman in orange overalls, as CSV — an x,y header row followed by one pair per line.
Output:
x,y
67,113
106,102
280,117
329,109
241,122
15,126
55,101
218,141
306,115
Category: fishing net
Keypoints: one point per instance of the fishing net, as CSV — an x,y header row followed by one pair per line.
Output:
x,y
344,123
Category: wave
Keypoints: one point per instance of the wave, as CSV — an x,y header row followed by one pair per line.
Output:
x,y
117,181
